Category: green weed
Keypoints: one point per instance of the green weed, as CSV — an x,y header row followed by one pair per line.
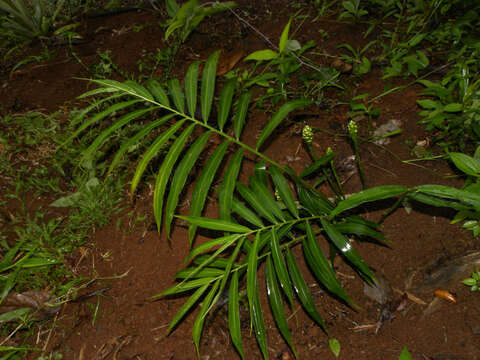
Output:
x,y
474,281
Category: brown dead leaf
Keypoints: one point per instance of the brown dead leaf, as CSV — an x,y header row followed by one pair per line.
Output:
x,y
228,61
35,299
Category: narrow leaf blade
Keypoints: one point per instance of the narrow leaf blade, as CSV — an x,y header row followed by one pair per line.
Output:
x,y
234,315
280,267
177,95
151,152
225,102
241,113
208,84
187,306
200,320
279,116
214,224
321,268
203,185
302,291
373,194
180,178
165,171
343,244
254,299
281,185
276,304
191,87
228,186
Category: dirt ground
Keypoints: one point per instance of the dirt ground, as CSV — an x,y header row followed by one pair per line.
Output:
x,y
129,325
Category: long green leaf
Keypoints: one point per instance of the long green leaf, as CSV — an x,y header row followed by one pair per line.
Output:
x,y
207,245
101,115
314,202
200,320
215,224
284,38
158,92
165,171
213,256
257,204
203,185
234,315
241,113
185,286
128,87
177,95
194,273
172,7
465,163
276,304
191,87
254,299
117,125
373,194
318,164
302,291
9,256
346,249
260,174
241,209
139,90
187,306
95,105
227,270
97,91
228,186
321,268
147,129
447,192
359,230
220,263
280,267
208,84
225,102
283,188
284,110
151,152
180,178
263,195
438,202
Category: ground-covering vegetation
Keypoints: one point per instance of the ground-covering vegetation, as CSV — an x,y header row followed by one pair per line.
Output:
x,y
178,128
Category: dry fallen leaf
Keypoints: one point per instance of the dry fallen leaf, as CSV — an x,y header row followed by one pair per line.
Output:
x,y
228,61
35,299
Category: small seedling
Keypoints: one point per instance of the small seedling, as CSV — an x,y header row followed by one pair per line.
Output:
x,y
474,281
334,346
405,355
352,10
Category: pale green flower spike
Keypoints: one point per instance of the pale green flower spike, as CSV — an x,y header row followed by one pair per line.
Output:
x,y
352,128
277,195
329,150
307,134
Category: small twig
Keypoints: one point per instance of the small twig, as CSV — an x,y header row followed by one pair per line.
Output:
x,y
410,296
50,334
11,334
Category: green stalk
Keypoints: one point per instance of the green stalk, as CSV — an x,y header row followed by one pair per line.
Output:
x,y
353,132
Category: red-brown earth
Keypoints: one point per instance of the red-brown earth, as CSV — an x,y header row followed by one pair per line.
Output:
x,y
129,325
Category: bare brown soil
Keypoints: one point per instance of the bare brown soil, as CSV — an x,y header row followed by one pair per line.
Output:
x,y
131,326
